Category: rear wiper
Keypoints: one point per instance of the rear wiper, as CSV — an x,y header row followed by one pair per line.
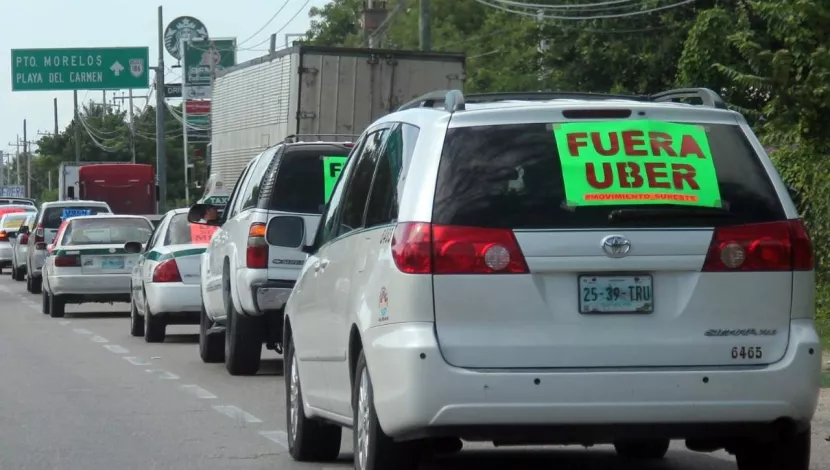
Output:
x,y
669,213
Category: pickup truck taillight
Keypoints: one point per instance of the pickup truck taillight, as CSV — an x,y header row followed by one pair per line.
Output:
x,y
256,255
39,232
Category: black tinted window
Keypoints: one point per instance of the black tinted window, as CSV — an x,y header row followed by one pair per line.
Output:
x,y
383,201
53,216
300,182
107,231
511,176
358,188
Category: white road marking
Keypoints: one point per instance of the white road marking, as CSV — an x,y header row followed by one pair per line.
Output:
x,y
280,437
82,331
198,391
136,361
116,349
64,322
99,339
168,375
241,416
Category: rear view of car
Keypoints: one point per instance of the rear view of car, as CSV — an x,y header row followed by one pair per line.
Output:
x,y
88,263
50,217
9,223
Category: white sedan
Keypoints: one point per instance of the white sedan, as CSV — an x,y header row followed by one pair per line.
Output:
x,y
165,280
87,261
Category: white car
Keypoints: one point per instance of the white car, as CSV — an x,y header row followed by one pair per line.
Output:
x,y
20,246
250,266
165,280
49,218
87,261
10,222
548,268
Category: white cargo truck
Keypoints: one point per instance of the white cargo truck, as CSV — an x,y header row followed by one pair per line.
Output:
x,y
315,93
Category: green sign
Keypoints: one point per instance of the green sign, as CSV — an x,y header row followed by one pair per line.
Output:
x,y
216,200
636,162
202,59
105,68
332,166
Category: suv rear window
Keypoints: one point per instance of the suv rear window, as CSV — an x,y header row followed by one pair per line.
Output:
x,y
300,186
510,176
53,216
107,231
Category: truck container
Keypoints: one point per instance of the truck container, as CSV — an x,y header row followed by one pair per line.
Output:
x,y
318,93
128,189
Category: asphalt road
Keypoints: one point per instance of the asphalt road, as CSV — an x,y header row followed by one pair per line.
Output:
x,y
81,393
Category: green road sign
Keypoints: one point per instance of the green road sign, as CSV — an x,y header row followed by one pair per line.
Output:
x,y
198,56
104,68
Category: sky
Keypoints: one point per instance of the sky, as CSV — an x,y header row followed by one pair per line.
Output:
x,y
32,24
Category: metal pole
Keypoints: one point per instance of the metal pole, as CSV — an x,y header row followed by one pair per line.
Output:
x,y
161,161
3,170
132,127
17,160
77,126
184,118
424,32
28,161
104,101
370,5
56,117
49,175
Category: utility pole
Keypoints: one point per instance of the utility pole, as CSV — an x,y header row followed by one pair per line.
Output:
x,y
424,31
77,125
370,5
49,175
2,168
28,161
161,161
132,119
56,117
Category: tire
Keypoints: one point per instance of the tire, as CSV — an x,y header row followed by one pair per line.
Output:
x,y
37,284
309,440
14,273
57,306
373,449
211,346
136,321
243,338
21,275
45,303
155,326
790,453
647,449
28,284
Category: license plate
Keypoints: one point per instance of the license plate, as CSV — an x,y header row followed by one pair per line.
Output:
x,y
113,262
616,294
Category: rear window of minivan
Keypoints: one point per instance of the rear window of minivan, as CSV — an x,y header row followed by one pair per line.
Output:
x,y
53,216
301,182
511,176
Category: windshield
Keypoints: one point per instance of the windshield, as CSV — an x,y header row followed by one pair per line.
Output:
x,y
12,221
107,231
53,216
513,176
182,232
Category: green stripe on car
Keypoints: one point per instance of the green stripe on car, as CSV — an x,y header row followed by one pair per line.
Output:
x,y
156,256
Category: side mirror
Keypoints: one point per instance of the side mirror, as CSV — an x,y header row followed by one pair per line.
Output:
x,y
286,230
23,230
133,247
201,214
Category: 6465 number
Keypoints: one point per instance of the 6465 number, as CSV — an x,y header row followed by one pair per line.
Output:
x,y
747,352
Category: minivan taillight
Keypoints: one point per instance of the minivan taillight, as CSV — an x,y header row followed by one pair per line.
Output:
x,y
256,254
167,271
66,261
39,234
771,246
422,248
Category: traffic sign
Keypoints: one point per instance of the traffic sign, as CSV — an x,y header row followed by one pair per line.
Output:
x,y
172,90
104,68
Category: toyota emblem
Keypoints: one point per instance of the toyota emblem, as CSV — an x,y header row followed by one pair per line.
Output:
x,y
616,246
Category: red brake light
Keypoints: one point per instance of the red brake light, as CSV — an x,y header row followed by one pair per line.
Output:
x,y
167,271
65,261
23,239
4,236
421,248
773,246
256,255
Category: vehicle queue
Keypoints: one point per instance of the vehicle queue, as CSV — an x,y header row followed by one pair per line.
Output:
x,y
460,272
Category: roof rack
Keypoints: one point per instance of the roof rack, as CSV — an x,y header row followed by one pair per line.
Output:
x,y
294,138
454,100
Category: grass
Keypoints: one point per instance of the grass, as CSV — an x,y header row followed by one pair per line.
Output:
x,y
823,327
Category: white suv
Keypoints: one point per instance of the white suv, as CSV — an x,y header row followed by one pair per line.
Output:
x,y
556,269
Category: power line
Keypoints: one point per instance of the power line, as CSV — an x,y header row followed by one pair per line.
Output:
x,y
265,25
538,15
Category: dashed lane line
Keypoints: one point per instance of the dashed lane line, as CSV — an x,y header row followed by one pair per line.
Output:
x,y
116,349
241,416
280,437
64,322
99,339
198,391
136,361
82,331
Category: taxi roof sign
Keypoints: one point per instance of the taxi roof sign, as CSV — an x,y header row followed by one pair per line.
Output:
x,y
215,192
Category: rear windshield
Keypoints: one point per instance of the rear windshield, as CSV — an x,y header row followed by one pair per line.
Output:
x,y
511,176
182,232
301,184
107,231
13,221
53,216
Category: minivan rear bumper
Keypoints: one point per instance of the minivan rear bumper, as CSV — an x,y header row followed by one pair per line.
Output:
x,y
406,366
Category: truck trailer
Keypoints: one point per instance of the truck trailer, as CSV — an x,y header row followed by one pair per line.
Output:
x,y
315,93
128,188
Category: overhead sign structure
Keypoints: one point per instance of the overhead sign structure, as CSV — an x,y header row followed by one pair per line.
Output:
x,y
103,68
183,28
202,59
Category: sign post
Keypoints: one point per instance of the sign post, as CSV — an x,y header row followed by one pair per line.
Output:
x,y
105,68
